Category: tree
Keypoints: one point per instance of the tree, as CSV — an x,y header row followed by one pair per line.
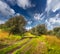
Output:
x,y
39,30
32,31
1,26
50,32
16,25
56,31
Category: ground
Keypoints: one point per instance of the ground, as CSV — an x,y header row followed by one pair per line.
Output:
x,y
30,44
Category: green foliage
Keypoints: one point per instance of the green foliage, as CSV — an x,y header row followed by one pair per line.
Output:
x,y
2,26
16,25
39,30
50,32
57,31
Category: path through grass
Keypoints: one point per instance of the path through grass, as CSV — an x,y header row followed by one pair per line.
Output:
x,y
7,49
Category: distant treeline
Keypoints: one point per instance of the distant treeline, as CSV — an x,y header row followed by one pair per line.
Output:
x,y
16,25
42,30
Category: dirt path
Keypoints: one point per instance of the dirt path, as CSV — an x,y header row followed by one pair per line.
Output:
x,y
26,49
4,46
10,52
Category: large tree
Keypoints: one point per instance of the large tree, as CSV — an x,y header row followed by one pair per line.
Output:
x,y
16,25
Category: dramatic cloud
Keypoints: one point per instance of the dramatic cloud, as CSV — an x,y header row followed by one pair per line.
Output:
x,y
53,22
21,3
2,22
24,3
5,9
53,5
38,16
51,15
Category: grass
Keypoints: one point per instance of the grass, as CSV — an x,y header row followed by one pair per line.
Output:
x,y
8,40
7,49
38,48
27,34
41,45
25,47
53,45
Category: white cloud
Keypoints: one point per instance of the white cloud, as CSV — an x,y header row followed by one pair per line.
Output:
x,y
53,5
38,16
17,14
21,3
2,22
24,3
5,9
49,1
56,7
29,22
53,22
28,28
55,19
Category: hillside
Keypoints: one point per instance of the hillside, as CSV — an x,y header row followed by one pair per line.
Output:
x,y
14,44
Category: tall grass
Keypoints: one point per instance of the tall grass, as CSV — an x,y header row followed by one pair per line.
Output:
x,y
26,47
7,49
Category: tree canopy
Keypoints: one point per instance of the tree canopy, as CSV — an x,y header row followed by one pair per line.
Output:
x,y
56,31
39,30
16,25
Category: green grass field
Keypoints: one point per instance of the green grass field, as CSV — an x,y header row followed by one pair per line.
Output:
x,y
14,44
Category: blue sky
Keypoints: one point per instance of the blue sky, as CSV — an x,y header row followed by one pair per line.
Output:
x,y
35,11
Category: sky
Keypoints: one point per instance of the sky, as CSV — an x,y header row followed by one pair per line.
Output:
x,y
34,11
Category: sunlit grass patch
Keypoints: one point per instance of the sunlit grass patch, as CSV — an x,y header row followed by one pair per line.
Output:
x,y
3,34
42,38
39,47
26,48
8,40
53,45
27,34
7,49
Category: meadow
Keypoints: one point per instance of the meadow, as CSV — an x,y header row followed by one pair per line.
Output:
x,y
30,44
